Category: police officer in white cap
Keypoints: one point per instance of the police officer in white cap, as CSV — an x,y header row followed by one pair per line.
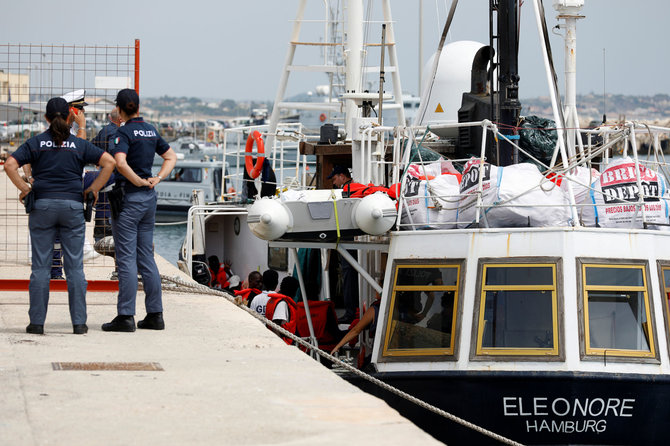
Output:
x,y
75,100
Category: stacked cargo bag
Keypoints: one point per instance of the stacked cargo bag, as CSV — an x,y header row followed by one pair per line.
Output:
x,y
467,209
583,178
527,198
612,201
431,204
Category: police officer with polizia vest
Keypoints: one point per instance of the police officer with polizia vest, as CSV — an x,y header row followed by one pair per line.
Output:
x,y
133,221
55,205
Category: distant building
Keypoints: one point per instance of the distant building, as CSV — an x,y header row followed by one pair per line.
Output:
x,y
14,87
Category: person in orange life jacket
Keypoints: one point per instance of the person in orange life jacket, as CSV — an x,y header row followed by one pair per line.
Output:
x,y
219,272
281,308
270,282
253,287
342,179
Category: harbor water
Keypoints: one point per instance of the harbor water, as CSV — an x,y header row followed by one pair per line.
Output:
x,y
168,236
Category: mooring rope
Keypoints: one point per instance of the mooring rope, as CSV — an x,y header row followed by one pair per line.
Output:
x,y
207,290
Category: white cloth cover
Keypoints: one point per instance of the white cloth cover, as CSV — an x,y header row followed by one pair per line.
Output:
x,y
525,197
431,204
612,202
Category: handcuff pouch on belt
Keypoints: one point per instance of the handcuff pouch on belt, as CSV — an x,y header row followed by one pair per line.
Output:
x,y
115,197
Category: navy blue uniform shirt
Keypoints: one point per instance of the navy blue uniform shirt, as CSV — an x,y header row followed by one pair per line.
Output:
x,y
57,170
140,142
105,138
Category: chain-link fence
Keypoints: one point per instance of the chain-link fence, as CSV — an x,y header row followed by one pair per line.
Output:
x,y
29,76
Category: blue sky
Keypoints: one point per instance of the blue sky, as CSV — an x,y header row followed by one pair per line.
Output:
x,y
235,49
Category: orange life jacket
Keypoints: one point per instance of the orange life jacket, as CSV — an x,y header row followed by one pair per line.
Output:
x,y
292,322
359,190
246,293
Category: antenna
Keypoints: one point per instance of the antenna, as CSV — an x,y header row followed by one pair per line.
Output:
x,y
604,97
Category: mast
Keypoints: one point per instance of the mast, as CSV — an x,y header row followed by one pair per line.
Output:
x,y
568,10
508,76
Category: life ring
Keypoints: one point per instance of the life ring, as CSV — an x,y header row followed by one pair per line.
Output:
x,y
322,117
254,169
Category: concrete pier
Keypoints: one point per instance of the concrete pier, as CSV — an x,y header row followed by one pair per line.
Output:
x,y
216,375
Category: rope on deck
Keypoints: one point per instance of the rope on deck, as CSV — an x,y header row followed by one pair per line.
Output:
x,y
202,289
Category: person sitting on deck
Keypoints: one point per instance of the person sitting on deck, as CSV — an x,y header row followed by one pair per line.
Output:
x,y
254,285
270,281
281,308
369,321
220,273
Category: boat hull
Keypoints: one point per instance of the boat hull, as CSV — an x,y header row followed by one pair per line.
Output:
x,y
538,408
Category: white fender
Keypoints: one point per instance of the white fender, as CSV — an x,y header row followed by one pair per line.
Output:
x,y
375,214
269,219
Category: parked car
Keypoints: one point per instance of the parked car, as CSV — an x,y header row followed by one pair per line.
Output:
x,y
25,129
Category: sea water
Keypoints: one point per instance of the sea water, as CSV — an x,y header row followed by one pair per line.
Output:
x,y
168,238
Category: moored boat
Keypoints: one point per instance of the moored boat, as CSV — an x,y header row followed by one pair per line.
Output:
x,y
529,298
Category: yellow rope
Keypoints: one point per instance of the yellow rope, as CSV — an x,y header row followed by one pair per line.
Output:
x,y
337,219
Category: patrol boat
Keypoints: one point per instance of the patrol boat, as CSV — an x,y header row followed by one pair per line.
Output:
x,y
198,168
532,302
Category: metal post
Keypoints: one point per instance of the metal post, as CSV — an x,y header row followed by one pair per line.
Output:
x,y
294,254
137,66
368,278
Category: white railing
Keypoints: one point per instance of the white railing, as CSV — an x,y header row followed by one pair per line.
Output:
x,y
624,138
290,167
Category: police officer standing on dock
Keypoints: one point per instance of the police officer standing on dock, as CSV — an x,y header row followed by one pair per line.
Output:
x,y
57,159
134,148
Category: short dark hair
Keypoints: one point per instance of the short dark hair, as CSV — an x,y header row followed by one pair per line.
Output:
x,y
270,280
339,169
289,286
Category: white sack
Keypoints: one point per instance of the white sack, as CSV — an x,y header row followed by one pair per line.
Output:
x,y
520,189
431,204
612,203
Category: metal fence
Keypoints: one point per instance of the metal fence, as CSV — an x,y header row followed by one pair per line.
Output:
x,y
31,74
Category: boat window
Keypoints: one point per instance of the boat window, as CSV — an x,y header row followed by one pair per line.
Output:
x,y
217,181
424,304
616,311
186,175
518,312
278,259
665,277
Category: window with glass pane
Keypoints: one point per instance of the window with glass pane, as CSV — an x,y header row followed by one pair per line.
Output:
x,y
423,310
666,291
616,310
518,310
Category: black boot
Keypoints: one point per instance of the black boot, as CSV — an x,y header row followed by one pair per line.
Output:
x,y
153,321
120,323
80,329
35,329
